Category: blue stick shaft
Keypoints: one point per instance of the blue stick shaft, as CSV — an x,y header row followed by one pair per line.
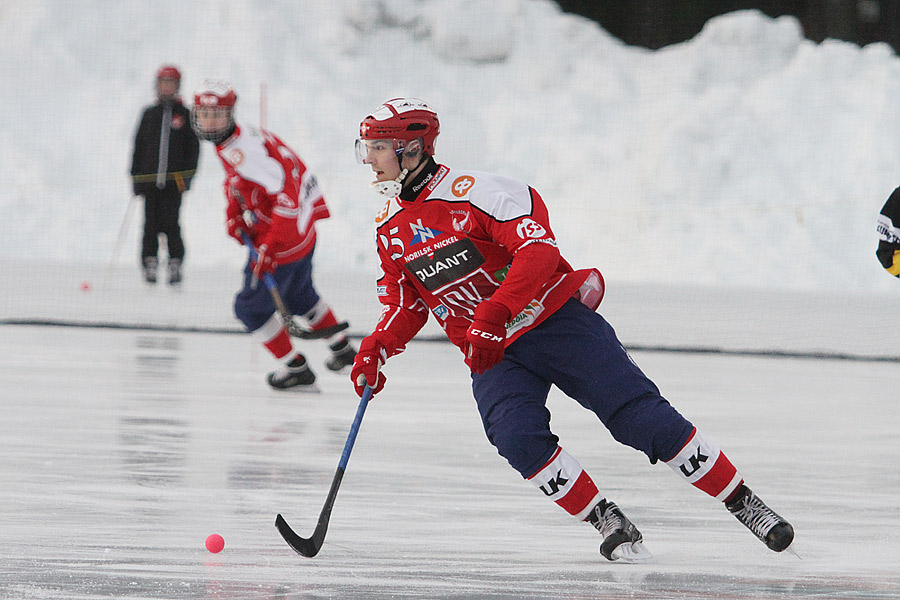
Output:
x,y
354,428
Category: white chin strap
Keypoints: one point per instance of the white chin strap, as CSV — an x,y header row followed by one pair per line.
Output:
x,y
392,188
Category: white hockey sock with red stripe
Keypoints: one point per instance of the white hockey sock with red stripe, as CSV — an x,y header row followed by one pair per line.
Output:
x,y
702,464
320,316
564,481
274,337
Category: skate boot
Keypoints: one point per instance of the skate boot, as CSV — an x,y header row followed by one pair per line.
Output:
x,y
772,530
149,265
621,539
174,267
342,355
295,375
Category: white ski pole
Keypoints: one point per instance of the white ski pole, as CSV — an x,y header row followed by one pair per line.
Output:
x,y
123,232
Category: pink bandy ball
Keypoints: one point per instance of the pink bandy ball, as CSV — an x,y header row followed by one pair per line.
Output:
x,y
215,543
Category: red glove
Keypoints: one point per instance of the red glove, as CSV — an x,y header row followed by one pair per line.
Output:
x,y
265,261
235,227
370,357
486,337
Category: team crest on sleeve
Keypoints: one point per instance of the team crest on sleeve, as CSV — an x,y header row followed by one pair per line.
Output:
x,y
530,229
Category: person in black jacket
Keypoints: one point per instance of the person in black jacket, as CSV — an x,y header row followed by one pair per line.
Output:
x,y
166,152
888,227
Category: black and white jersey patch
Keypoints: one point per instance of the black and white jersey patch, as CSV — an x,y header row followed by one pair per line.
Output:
x,y
446,264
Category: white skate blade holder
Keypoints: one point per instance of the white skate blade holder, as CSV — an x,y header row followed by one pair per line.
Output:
x,y
631,553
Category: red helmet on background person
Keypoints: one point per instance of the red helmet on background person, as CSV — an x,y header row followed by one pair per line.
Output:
x,y
212,115
402,119
168,72
168,82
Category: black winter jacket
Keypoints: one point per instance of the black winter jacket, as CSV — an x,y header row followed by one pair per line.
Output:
x,y
182,149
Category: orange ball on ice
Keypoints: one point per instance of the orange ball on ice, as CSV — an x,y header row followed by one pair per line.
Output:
x,y
215,543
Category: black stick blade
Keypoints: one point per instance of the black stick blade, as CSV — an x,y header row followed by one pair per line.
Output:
x,y
310,547
305,547
297,331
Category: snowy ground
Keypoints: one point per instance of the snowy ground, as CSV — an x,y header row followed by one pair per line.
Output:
x,y
124,449
747,156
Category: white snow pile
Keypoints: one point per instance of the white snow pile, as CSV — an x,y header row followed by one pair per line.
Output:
x,y
747,156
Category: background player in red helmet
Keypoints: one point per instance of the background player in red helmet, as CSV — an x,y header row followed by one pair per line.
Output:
x,y
164,160
476,250
275,201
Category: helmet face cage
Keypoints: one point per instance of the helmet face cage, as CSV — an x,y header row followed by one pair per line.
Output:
x,y
212,115
222,122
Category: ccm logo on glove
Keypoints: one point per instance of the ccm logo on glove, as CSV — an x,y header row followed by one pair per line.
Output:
x,y
486,337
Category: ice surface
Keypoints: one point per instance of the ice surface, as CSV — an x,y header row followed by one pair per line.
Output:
x,y
122,450
747,163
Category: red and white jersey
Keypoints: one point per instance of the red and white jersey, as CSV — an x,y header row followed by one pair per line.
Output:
x,y
452,247
265,176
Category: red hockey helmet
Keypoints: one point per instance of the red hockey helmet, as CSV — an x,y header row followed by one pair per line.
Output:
x,y
168,72
214,94
212,115
403,119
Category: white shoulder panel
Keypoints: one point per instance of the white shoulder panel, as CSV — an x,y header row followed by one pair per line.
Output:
x,y
503,198
248,155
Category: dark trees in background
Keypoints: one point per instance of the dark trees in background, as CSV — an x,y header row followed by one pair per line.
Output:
x,y
657,23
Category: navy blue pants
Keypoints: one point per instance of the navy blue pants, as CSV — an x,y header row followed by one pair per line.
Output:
x,y
578,351
253,307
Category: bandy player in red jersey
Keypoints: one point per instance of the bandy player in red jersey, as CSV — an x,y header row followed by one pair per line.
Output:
x,y
476,250
274,200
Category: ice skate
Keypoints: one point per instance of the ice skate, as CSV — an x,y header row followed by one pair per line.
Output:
x,y
295,376
771,529
621,539
149,267
174,267
342,355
